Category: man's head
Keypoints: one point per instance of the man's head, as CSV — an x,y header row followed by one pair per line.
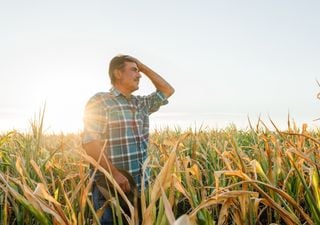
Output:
x,y
124,73
118,63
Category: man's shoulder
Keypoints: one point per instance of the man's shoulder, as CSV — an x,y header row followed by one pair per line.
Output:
x,y
100,97
150,95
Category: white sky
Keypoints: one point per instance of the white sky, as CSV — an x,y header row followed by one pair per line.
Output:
x,y
226,59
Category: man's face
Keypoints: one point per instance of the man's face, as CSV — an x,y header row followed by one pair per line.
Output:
x,y
129,77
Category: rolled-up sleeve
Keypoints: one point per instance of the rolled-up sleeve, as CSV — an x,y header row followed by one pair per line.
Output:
x,y
154,101
95,120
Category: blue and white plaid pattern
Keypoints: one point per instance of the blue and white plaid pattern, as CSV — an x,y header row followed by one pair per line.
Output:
x,y
124,125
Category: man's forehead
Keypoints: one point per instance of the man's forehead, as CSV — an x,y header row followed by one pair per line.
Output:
x,y
131,64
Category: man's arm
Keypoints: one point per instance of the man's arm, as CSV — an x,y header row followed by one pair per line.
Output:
x,y
160,83
94,149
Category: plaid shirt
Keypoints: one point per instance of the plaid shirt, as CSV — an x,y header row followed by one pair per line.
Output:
x,y
124,125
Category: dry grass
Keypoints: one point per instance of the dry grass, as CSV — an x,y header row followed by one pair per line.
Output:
x,y
198,177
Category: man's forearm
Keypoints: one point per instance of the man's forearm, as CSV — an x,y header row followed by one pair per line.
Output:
x,y
160,83
95,150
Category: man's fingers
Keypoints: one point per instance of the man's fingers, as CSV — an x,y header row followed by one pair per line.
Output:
x,y
125,185
123,182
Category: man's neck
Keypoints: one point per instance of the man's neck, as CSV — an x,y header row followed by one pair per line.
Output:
x,y
123,91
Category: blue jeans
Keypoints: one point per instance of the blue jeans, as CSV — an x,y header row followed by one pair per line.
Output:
x,y
98,201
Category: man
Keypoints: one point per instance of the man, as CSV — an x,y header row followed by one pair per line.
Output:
x,y
117,123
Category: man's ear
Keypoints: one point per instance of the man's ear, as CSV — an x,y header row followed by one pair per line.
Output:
x,y
117,74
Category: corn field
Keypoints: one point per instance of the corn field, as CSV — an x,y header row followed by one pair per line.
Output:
x,y
206,177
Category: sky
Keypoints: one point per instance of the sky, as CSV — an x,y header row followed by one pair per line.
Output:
x,y
227,60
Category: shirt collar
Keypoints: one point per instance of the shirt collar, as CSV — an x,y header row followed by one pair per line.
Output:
x,y
115,92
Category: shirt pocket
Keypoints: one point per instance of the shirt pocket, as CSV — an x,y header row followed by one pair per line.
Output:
x,y
115,118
